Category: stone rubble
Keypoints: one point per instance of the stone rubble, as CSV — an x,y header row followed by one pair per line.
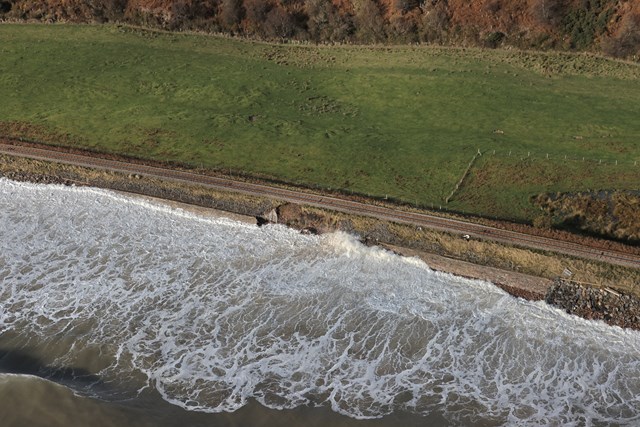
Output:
x,y
595,303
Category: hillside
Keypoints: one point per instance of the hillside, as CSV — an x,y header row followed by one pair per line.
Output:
x,y
609,26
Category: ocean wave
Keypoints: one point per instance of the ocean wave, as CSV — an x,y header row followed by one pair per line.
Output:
x,y
212,313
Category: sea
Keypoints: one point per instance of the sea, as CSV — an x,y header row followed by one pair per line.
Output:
x,y
121,311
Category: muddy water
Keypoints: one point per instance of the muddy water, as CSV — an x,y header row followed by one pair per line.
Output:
x,y
117,311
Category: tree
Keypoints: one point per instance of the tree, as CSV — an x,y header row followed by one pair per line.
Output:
x,y
279,23
5,6
403,28
230,14
114,9
255,16
324,22
547,12
435,21
368,21
404,6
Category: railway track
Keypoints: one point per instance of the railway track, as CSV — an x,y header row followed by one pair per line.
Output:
x,y
329,202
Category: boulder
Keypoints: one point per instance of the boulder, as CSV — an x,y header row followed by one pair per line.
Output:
x,y
268,217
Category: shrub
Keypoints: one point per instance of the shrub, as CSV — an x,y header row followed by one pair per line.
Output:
x,y
587,21
547,12
626,42
230,14
5,6
325,23
279,24
493,40
369,22
543,222
435,22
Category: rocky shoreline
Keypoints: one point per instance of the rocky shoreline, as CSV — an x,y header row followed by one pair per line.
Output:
x,y
612,307
588,302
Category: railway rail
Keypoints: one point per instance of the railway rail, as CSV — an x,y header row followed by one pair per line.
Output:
x,y
477,231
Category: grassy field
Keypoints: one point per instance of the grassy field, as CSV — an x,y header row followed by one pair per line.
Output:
x,y
401,121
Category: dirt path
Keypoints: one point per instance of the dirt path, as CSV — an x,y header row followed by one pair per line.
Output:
x,y
475,231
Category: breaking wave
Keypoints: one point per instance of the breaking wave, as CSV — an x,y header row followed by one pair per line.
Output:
x,y
212,313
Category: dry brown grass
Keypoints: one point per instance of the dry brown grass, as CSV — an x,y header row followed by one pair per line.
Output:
x,y
48,172
610,214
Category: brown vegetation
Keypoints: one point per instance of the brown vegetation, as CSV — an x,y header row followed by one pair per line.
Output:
x,y
608,214
624,42
545,225
30,131
19,169
610,25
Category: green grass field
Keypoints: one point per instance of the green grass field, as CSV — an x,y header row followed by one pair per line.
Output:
x,y
401,121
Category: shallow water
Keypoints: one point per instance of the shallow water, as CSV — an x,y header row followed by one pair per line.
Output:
x,y
150,314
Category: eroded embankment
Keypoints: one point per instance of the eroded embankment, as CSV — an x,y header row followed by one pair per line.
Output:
x,y
584,300
521,272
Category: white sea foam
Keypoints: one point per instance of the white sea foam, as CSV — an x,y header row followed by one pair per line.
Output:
x,y
212,312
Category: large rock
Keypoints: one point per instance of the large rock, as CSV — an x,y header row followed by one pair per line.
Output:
x,y
268,217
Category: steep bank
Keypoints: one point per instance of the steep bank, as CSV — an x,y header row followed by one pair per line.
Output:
x,y
609,214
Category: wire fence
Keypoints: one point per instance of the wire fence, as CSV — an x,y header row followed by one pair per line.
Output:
x,y
521,154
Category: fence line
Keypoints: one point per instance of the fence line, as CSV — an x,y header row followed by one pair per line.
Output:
x,y
464,175
544,156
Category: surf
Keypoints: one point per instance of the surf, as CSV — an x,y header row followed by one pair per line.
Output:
x,y
213,314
